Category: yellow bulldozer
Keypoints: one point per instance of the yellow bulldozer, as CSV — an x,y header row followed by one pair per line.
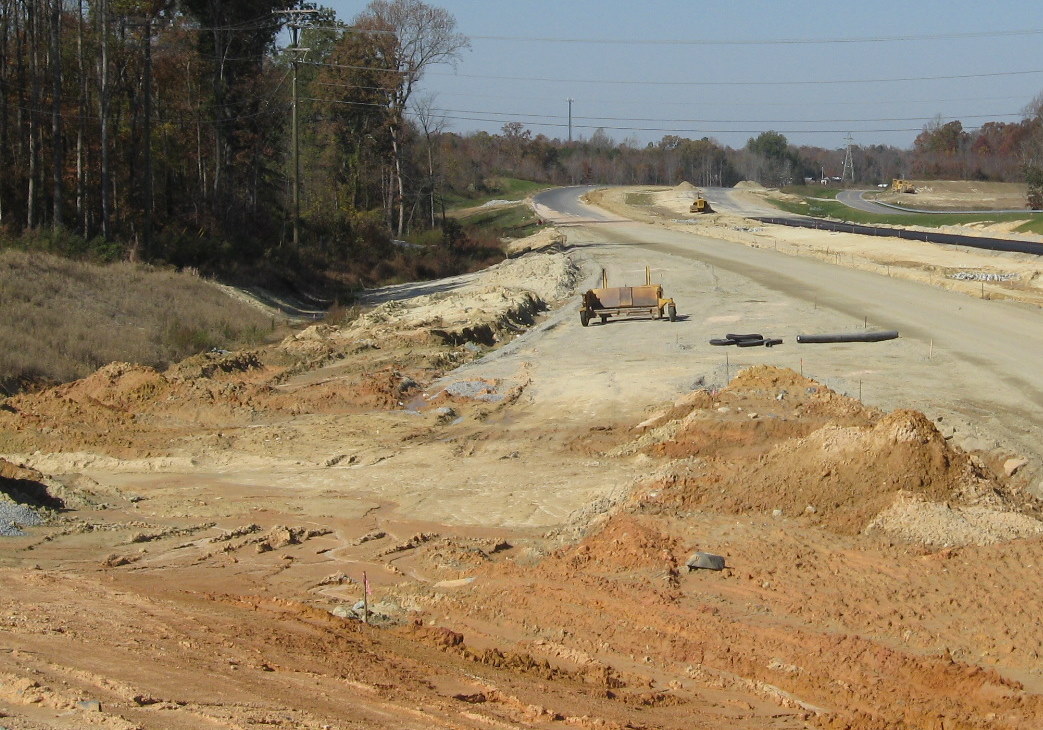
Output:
x,y
902,186
700,205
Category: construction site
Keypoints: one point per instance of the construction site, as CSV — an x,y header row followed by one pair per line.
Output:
x,y
539,496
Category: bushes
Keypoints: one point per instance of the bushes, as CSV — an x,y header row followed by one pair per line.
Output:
x,y
1034,178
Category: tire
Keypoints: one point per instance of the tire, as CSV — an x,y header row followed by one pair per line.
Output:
x,y
584,317
671,312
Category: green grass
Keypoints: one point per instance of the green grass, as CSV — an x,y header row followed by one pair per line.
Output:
x,y
839,211
499,188
63,319
510,221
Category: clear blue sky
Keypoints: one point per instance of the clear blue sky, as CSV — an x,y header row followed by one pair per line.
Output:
x,y
723,77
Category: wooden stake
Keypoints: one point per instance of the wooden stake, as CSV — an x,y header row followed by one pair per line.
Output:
x,y
365,598
931,355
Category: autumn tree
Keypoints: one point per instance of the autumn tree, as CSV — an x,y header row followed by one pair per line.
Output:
x,y
411,37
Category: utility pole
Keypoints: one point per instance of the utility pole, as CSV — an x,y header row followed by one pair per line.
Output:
x,y
295,28
104,109
570,100
849,163
145,189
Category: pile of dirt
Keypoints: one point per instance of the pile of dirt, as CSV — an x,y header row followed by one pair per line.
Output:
x,y
749,185
685,186
542,240
506,302
775,442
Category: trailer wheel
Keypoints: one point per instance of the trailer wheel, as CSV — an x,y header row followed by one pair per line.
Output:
x,y
671,312
584,317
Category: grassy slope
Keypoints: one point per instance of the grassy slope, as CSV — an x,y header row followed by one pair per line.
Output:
x,y
64,318
501,188
839,211
510,221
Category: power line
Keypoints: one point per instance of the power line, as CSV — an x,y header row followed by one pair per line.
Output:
x,y
804,82
759,104
801,82
504,120
726,42
681,121
736,121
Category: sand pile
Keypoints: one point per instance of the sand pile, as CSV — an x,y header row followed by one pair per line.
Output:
x,y
547,238
774,442
505,301
749,185
685,186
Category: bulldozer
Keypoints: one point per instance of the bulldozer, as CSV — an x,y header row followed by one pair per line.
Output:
x,y
899,185
626,301
700,205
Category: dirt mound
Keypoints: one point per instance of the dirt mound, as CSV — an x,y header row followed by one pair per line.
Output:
x,y
685,186
539,241
215,364
749,185
505,301
776,442
625,542
118,386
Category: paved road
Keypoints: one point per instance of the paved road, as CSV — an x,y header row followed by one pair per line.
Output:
x,y
957,353
854,199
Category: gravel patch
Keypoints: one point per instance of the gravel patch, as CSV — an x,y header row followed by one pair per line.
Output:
x,y
14,516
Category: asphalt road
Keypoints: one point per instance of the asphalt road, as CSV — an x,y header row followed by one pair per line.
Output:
x,y
958,354
854,199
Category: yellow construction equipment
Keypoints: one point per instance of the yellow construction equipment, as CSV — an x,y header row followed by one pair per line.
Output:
x,y
700,205
902,186
626,301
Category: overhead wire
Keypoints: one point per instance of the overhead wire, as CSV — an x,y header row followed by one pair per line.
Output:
x,y
724,41
444,114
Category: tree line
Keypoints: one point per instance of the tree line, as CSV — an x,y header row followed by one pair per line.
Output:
x,y
215,133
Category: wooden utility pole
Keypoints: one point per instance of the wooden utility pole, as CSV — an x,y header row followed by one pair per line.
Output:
x,y
295,29
58,144
104,72
146,232
295,150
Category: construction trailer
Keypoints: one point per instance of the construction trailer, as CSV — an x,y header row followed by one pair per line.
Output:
x,y
626,301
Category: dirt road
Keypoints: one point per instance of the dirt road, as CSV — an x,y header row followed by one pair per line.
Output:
x,y
966,359
520,495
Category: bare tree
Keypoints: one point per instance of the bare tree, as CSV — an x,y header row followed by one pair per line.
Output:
x,y
413,37
423,110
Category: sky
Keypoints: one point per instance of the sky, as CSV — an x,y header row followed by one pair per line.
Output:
x,y
729,70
